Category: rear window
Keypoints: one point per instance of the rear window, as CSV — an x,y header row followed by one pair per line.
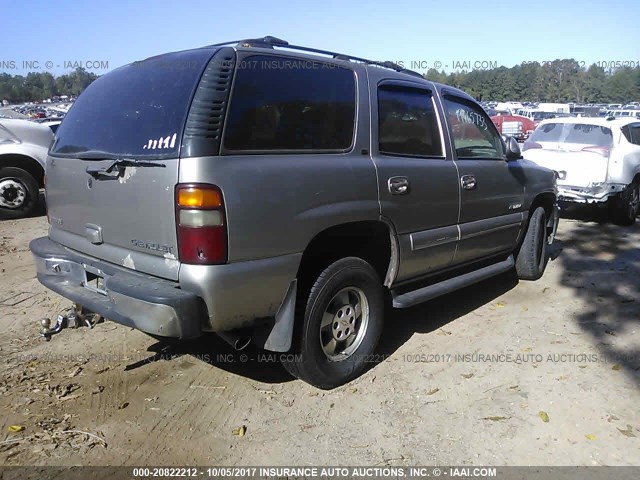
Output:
x,y
287,104
138,110
579,133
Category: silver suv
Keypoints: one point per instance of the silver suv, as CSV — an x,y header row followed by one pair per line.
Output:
x,y
282,196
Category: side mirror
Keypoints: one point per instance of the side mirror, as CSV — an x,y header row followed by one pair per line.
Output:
x,y
513,149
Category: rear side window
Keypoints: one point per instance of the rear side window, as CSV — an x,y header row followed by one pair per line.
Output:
x,y
407,123
626,131
474,135
577,133
632,133
138,110
287,104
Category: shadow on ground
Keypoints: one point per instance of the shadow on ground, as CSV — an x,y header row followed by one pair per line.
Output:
x,y
400,325
40,210
601,263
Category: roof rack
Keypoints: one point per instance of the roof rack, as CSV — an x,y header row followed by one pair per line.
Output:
x,y
270,42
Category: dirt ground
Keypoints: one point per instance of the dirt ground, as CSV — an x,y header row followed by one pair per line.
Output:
x,y
501,373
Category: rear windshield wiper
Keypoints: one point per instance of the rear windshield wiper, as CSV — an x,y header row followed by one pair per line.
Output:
x,y
114,169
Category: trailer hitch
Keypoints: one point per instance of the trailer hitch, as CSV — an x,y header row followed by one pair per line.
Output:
x,y
73,317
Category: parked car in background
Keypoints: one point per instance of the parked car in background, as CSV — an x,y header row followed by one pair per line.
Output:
x,y
536,116
597,161
623,113
23,153
515,126
288,206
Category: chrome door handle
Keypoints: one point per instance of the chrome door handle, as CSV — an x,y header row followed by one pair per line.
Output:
x,y
468,182
398,185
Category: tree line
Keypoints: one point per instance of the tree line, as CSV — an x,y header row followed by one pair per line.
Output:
x,y
42,85
558,81
562,81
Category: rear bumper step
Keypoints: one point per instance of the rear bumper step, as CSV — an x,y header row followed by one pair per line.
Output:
x,y
414,297
154,306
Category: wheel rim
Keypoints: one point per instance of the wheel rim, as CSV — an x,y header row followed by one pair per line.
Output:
x,y
344,323
13,193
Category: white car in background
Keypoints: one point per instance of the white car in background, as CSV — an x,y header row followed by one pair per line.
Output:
x,y
597,160
23,152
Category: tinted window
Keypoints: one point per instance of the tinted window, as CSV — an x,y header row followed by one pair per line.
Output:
x,y
407,123
579,133
137,110
635,133
284,104
474,135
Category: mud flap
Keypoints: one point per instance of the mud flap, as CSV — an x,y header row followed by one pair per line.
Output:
x,y
281,335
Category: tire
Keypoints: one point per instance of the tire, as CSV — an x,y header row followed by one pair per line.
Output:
x,y
531,258
19,193
329,312
626,207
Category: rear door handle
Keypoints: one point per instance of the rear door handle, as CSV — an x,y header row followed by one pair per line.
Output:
x,y
469,182
398,185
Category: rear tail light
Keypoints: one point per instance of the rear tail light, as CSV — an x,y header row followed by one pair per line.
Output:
x,y
530,145
202,231
604,151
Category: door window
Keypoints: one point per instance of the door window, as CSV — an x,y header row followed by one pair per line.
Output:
x,y
407,123
474,135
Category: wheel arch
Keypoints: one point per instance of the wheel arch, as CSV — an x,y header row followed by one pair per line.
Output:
x,y
371,240
26,163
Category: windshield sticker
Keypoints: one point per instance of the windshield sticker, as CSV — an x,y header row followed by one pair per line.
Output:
x,y
465,116
161,143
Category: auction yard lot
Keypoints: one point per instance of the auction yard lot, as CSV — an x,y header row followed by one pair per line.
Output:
x,y
501,373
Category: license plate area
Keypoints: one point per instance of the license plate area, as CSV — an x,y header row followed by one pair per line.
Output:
x,y
94,279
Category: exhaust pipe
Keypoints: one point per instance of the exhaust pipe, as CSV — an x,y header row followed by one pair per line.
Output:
x,y
238,342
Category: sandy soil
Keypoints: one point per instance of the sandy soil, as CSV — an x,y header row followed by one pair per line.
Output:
x,y
502,373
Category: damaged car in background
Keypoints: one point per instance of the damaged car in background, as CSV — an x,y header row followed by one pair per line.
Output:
x,y
597,161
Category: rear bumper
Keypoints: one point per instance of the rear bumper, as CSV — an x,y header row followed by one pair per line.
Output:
x,y
599,194
142,302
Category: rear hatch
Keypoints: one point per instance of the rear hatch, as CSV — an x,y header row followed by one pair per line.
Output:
x,y
578,151
113,167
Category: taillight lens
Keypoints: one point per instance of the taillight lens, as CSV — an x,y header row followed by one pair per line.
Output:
x,y
530,145
604,151
202,231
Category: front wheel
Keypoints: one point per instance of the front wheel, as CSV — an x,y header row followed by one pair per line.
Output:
x,y
341,325
19,193
531,258
626,207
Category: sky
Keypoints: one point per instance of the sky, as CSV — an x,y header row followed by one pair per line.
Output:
x,y
42,35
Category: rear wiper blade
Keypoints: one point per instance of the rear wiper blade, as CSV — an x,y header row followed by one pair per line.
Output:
x,y
113,170
97,155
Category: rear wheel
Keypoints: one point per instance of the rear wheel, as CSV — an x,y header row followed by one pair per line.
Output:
x,y
531,258
19,192
626,207
341,321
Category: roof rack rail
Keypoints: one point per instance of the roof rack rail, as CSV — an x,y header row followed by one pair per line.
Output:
x,y
270,42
